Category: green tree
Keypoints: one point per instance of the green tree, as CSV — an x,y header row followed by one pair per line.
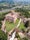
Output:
x,y
3,36
0,24
23,12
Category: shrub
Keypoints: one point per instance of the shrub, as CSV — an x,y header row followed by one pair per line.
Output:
x,y
0,24
3,36
23,12
25,38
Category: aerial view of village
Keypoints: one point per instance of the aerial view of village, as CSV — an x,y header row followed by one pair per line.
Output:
x,y
14,19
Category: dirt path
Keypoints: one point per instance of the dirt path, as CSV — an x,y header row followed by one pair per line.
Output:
x,y
19,23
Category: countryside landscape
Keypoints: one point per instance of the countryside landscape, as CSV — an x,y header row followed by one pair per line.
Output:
x,y
14,19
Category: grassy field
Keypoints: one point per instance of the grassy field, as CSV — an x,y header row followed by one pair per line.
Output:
x,y
22,26
10,26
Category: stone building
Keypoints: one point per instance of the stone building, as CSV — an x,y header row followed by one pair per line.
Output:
x,y
12,17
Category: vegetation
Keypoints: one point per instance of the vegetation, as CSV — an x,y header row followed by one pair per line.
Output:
x,y
17,36
22,26
10,25
2,15
3,36
25,38
23,12
0,24
4,7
